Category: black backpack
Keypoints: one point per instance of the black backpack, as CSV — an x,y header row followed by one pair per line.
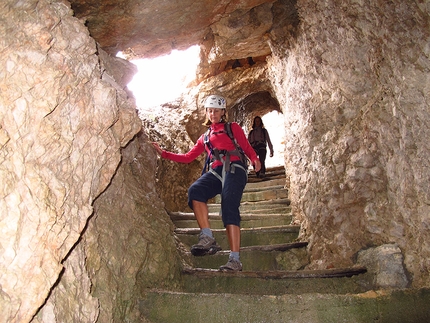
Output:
x,y
264,136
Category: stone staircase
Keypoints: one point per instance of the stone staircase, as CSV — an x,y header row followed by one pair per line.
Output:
x,y
273,286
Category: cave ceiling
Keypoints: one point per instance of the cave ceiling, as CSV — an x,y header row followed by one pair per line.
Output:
x,y
231,29
230,34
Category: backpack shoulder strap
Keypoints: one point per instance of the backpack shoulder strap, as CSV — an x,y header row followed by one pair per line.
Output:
x,y
206,137
207,143
227,128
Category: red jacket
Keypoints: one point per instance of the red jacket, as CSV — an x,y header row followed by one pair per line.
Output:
x,y
218,139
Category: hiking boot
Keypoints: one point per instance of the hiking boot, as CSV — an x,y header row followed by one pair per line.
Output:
x,y
232,265
205,246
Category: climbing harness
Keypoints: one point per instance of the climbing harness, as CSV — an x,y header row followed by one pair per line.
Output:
x,y
224,155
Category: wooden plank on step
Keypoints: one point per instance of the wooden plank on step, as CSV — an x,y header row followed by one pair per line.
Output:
x,y
268,248
276,247
177,216
280,228
297,274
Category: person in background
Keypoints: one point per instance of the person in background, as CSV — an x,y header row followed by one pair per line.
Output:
x,y
227,176
259,139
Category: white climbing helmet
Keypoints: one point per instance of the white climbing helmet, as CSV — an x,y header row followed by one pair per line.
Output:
x,y
215,101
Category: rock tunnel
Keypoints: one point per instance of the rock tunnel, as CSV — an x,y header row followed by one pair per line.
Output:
x,y
83,197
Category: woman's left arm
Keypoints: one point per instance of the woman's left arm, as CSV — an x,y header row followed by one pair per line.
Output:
x,y
182,158
269,142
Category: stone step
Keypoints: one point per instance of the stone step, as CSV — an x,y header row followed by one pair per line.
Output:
x,y
280,182
275,169
336,281
268,207
265,195
254,179
249,236
270,173
289,256
268,193
187,220
396,306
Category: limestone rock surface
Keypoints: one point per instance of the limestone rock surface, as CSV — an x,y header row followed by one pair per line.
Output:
x,y
154,28
354,93
387,262
62,128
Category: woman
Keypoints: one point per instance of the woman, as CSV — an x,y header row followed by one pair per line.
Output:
x,y
227,176
259,138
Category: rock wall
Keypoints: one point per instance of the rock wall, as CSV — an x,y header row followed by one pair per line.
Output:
x,y
129,243
172,126
354,89
128,246
62,126
155,28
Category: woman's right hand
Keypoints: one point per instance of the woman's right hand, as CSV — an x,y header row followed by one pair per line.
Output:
x,y
157,148
257,165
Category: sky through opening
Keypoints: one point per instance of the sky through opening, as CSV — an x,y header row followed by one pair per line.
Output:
x,y
165,78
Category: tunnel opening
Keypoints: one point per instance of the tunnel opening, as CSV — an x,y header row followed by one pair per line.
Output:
x,y
274,123
264,105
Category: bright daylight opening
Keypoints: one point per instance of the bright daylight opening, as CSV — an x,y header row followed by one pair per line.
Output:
x,y
165,78
274,123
